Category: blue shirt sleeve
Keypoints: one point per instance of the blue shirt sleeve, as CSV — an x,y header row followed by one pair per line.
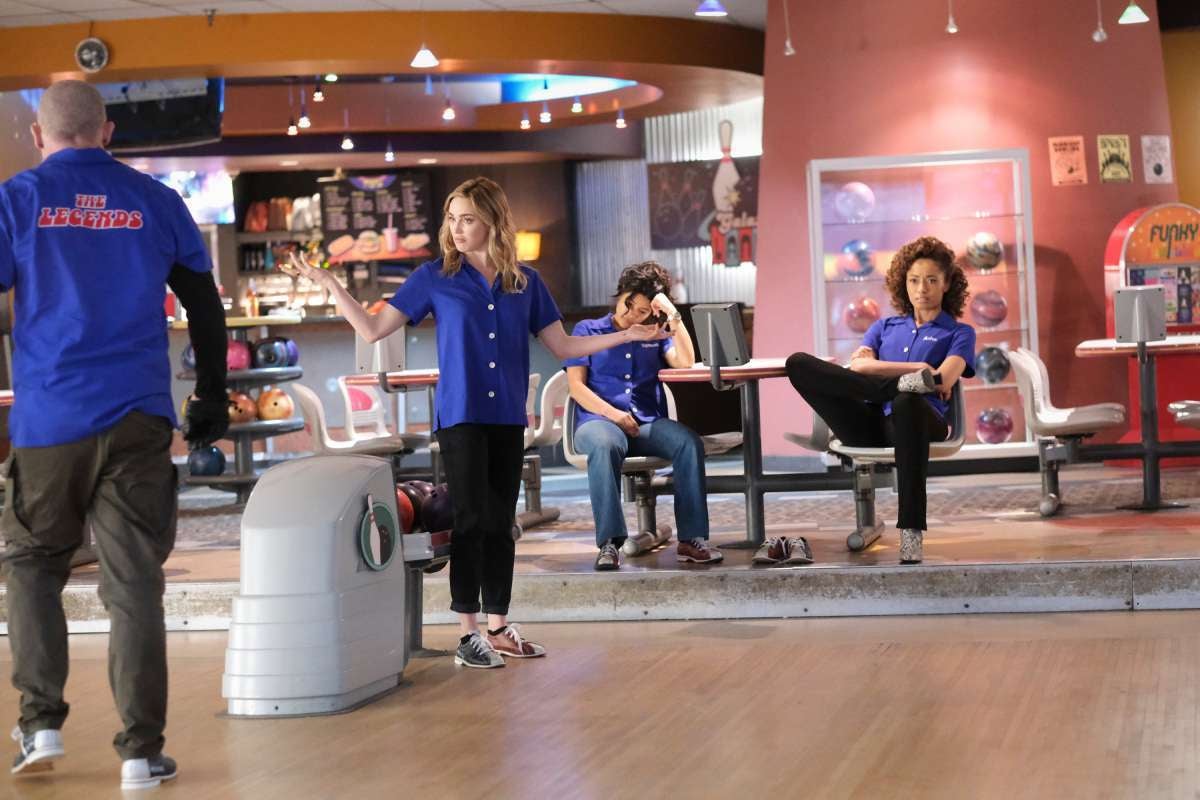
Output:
x,y
189,243
873,338
8,262
542,309
581,329
414,298
663,346
962,344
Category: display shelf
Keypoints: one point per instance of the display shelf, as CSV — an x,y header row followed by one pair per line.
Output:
x,y
262,428
254,377
922,220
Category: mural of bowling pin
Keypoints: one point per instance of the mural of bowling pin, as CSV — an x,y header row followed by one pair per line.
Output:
x,y
725,181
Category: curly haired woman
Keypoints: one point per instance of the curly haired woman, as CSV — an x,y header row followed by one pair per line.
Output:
x,y
896,390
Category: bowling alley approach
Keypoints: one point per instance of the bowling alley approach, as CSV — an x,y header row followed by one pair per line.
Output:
x,y
600,398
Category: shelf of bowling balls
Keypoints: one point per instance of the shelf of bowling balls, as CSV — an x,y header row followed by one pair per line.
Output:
x,y
254,377
262,428
972,275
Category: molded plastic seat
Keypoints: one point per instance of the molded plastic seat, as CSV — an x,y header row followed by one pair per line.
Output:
x,y
324,444
1043,417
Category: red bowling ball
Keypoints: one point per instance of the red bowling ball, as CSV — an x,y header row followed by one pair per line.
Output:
x,y
237,355
860,314
989,309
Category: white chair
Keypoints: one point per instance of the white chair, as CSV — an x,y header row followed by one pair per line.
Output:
x,y
538,433
863,459
639,482
323,444
1059,431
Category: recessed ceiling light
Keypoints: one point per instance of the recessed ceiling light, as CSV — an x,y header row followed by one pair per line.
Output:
x,y
289,163
331,77
426,160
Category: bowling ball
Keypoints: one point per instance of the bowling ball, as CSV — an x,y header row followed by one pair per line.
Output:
x,y
416,498
854,202
242,408
293,352
188,358
860,314
984,251
857,259
437,514
270,353
991,365
989,308
275,404
994,426
237,355
404,507
206,461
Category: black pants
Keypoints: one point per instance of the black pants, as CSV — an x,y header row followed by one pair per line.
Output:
x,y
852,406
122,480
483,470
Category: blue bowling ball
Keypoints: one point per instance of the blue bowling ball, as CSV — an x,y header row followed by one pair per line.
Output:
x,y
293,352
857,259
270,352
188,358
206,461
992,365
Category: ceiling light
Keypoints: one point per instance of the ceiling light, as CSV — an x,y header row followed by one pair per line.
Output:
x,y
525,125
292,130
710,8
577,107
1133,14
331,77
424,59
448,112
389,155
318,94
426,160
544,117
304,122
1099,36
347,142
951,25
289,163
621,118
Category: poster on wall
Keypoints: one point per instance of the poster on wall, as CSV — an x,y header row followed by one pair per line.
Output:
x,y
377,217
1068,164
1156,159
1116,164
697,203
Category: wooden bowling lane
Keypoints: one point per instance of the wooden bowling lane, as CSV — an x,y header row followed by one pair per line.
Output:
x,y
1022,706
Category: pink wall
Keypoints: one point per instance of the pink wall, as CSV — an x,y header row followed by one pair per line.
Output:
x,y
879,77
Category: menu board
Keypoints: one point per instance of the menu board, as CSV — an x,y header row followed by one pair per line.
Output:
x,y
377,217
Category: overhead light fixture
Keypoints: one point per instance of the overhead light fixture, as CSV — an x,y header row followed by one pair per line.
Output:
x,y
448,114
710,8
426,161
525,124
289,163
1099,36
424,59
304,122
331,77
318,93
529,245
951,25
621,118
292,130
1133,15
347,142
544,117
577,106
389,155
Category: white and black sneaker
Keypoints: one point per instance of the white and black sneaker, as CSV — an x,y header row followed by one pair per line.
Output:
x,y
919,382
146,773
38,750
475,651
608,558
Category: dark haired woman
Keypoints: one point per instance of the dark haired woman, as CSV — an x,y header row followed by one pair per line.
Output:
x,y
623,412
896,390
487,305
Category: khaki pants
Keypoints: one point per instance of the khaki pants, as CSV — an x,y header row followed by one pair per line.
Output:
x,y
122,481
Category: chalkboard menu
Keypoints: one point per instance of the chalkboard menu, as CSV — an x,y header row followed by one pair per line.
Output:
x,y
378,217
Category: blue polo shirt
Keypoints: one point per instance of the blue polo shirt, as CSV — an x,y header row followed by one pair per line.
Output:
x,y
626,376
482,340
86,244
901,339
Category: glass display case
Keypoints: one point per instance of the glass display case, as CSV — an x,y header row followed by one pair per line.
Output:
x,y
863,209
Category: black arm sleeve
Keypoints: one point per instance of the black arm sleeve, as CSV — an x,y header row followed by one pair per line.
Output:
x,y
206,327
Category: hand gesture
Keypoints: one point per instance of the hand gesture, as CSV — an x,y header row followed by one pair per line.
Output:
x,y
646,333
297,267
661,304
627,423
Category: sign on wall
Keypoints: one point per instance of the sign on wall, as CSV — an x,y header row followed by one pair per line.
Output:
x,y
694,203
1116,164
1156,159
1068,164
377,217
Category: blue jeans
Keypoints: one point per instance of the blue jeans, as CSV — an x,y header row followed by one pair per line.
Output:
x,y
606,446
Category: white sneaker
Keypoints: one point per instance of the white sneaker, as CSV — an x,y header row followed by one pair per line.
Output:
x,y
37,752
146,773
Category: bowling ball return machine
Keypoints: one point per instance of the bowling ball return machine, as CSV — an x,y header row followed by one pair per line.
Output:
x,y
329,609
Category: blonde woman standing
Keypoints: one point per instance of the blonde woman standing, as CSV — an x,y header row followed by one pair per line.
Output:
x,y
487,305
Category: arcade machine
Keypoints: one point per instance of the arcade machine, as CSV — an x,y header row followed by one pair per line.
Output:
x,y
329,608
1160,245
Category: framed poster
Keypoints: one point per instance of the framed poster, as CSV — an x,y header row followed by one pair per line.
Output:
x,y
1068,164
1116,165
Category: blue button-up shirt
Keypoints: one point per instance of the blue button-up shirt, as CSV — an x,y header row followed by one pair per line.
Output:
x,y
626,376
86,245
482,340
901,339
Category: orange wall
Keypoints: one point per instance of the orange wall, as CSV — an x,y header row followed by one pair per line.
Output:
x,y
1181,57
875,77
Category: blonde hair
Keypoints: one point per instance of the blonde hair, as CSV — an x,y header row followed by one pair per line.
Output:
x,y
491,206
72,112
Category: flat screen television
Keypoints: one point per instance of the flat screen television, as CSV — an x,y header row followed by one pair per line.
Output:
x,y
161,115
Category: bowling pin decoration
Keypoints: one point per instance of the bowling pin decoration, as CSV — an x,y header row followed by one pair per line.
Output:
x,y
725,194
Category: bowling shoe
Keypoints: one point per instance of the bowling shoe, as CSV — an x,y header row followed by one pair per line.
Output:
x,y
910,546
477,652
146,773
608,558
799,551
773,550
508,641
697,551
919,382
38,750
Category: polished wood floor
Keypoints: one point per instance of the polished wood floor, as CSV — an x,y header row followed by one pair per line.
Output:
x,y
1011,706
